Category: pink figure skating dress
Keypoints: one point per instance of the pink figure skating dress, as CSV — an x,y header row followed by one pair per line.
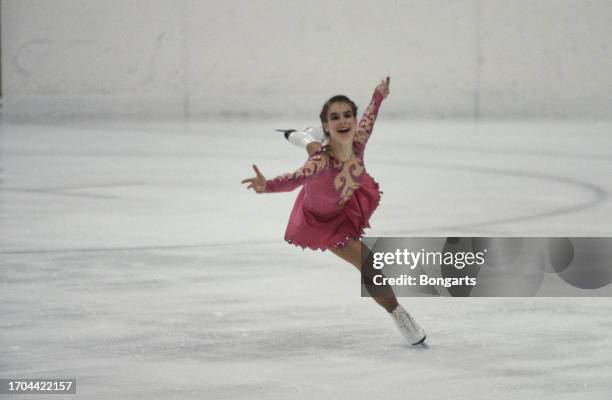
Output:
x,y
337,198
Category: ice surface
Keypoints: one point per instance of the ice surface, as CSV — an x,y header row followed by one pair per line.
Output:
x,y
132,259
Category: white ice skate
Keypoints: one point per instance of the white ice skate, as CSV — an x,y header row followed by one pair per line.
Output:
x,y
316,133
305,137
408,327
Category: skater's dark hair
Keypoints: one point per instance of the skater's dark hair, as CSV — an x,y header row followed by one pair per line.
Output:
x,y
339,98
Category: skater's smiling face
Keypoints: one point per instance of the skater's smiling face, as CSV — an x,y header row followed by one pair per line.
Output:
x,y
340,122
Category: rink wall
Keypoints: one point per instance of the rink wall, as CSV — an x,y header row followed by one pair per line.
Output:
x,y
189,59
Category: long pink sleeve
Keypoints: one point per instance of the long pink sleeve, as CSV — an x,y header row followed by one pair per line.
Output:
x,y
315,165
366,123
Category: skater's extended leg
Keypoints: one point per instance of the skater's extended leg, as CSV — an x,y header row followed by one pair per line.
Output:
x,y
310,138
352,253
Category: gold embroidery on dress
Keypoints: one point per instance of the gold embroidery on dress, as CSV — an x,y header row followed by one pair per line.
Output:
x,y
366,123
313,166
361,136
345,181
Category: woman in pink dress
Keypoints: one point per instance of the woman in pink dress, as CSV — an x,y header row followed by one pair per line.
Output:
x,y
338,196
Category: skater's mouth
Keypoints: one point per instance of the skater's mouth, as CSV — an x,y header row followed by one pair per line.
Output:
x,y
344,130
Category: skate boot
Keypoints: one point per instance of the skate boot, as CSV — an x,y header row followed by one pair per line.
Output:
x,y
303,138
407,326
316,133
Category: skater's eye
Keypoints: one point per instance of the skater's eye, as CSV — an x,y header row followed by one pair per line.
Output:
x,y
348,114
334,117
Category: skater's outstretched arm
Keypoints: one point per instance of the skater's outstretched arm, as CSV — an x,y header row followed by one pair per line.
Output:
x,y
315,165
257,183
366,124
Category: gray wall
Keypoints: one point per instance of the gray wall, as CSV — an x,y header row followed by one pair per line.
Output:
x,y
188,58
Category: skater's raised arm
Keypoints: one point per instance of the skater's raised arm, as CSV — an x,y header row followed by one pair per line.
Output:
x,y
366,124
315,165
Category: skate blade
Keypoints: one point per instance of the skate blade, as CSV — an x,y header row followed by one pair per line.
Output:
x,y
286,132
422,341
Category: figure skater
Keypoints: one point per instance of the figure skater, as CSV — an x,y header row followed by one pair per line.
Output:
x,y
338,196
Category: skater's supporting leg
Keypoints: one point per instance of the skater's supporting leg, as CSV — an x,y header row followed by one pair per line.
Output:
x,y
352,253
407,326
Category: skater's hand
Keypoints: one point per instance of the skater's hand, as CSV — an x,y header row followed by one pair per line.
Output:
x,y
258,183
383,87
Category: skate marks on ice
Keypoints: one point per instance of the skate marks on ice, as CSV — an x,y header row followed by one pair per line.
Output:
x,y
171,185
590,196
276,323
174,287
